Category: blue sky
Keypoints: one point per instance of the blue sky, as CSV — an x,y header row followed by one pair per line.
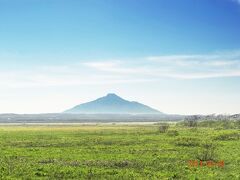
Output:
x,y
177,56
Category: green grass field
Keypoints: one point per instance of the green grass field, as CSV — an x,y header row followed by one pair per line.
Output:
x,y
118,152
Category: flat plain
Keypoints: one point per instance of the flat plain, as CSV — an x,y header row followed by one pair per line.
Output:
x,y
116,151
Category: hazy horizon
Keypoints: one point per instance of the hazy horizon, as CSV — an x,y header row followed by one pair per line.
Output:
x,y
168,55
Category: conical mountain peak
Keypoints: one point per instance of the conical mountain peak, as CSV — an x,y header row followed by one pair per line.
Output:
x,y
112,104
111,95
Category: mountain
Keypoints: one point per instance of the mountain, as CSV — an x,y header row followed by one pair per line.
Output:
x,y
112,104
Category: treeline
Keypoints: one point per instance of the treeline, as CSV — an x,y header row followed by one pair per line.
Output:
x,y
218,122
213,117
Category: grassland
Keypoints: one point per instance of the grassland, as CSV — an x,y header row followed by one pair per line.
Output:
x,y
117,152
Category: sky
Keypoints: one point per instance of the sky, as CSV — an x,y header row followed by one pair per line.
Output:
x,y
180,57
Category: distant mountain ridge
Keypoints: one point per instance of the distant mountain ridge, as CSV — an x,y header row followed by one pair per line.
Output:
x,y
112,104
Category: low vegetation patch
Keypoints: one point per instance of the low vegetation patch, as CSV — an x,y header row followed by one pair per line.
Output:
x,y
207,152
187,141
172,133
228,136
117,152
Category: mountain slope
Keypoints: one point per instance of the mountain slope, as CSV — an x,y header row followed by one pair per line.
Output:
x,y
112,104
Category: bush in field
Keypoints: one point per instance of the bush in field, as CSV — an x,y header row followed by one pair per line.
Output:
x,y
219,124
207,152
187,123
173,133
227,124
237,124
187,141
191,121
208,123
163,127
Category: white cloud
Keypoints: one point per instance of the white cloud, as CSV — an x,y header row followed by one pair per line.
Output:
x,y
176,66
151,68
69,75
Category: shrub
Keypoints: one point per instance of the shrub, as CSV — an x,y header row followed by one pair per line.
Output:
x,y
218,124
173,133
208,123
237,124
207,152
187,141
227,124
191,121
163,127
